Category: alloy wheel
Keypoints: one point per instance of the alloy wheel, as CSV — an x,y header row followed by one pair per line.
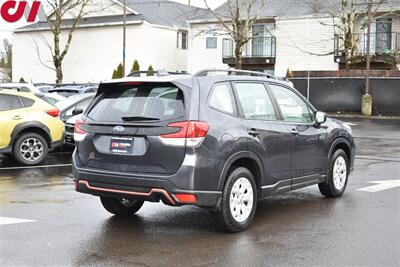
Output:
x,y
31,149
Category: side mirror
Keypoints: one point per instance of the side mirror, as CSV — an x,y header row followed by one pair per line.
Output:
x,y
77,111
320,117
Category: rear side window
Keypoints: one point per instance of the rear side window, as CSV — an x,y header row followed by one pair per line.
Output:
x,y
221,98
27,102
8,102
255,101
142,102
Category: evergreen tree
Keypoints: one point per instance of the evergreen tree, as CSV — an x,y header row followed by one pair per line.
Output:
x,y
150,71
119,73
114,75
22,80
136,66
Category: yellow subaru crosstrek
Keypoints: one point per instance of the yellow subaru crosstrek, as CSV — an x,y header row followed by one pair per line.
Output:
x,y
29,127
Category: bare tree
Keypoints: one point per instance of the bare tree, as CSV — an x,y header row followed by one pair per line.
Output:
x,y
237,21
346,14
59,10
6,60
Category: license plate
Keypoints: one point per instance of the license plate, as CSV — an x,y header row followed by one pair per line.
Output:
x,y
121,145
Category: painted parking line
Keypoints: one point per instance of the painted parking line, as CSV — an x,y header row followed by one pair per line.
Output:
x,y
380,186
7,220
35,167
350,124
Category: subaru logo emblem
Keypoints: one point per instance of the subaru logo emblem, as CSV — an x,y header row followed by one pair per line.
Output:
x,y
118,129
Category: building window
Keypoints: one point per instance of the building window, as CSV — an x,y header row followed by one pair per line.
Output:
x,y
181,40
211,42
381,38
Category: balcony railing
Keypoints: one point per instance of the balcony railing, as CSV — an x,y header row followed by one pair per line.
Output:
x,y
381,44
257,47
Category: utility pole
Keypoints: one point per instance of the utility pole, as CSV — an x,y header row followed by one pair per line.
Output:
x,y
368,60
366,101
124,40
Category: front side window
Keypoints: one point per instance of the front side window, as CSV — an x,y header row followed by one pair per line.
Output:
x,y
83,105
293,108
221,98
255,101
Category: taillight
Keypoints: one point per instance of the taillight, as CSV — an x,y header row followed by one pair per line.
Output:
x,y
191,133
79,133
53,112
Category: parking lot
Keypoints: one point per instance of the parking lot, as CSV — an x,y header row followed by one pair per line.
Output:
x,y
43,221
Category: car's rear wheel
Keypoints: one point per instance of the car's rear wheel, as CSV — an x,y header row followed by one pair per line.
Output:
x,y
30,149
338,174
239,200
121,206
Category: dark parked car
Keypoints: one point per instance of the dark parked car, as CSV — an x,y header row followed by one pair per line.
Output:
x,y
73,105
70,90
219,142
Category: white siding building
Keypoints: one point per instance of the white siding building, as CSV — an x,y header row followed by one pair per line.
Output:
x,y
303,44
156,35
289,35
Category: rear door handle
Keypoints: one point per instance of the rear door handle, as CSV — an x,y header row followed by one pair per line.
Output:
x,y
294,132
17,117
253,132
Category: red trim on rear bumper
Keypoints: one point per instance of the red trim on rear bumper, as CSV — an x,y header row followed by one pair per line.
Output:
x,y
153,190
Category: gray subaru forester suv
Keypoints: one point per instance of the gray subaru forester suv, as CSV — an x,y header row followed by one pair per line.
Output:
x,y
219,141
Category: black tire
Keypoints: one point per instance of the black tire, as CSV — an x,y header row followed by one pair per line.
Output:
x,y
225,217
328,188
115,206
17,149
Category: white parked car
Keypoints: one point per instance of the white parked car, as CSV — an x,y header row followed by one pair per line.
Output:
x,y
69,129
51,98
21,87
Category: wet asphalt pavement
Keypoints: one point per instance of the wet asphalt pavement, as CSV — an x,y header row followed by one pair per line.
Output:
x,y
298,228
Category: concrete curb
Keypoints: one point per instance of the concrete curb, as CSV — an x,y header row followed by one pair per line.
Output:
x,y
360,116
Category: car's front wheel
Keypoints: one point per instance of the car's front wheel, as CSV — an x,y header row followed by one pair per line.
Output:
x,y
30,149
121,206
239,200
338,174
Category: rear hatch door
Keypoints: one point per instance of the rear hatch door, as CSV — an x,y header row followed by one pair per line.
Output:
x,y
124,125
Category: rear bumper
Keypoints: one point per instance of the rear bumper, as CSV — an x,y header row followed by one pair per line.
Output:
x,y
149,188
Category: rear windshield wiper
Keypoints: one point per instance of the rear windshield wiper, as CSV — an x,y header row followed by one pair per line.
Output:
x,y
139,118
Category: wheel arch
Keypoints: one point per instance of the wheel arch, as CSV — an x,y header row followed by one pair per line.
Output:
x,y
243,159
31,127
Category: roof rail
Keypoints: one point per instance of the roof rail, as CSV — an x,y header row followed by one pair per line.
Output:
x,y
205,72
156,73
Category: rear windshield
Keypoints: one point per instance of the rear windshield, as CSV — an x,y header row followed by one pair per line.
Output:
x,y
141,102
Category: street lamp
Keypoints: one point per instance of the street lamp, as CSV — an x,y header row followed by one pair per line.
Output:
x,y
124,40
